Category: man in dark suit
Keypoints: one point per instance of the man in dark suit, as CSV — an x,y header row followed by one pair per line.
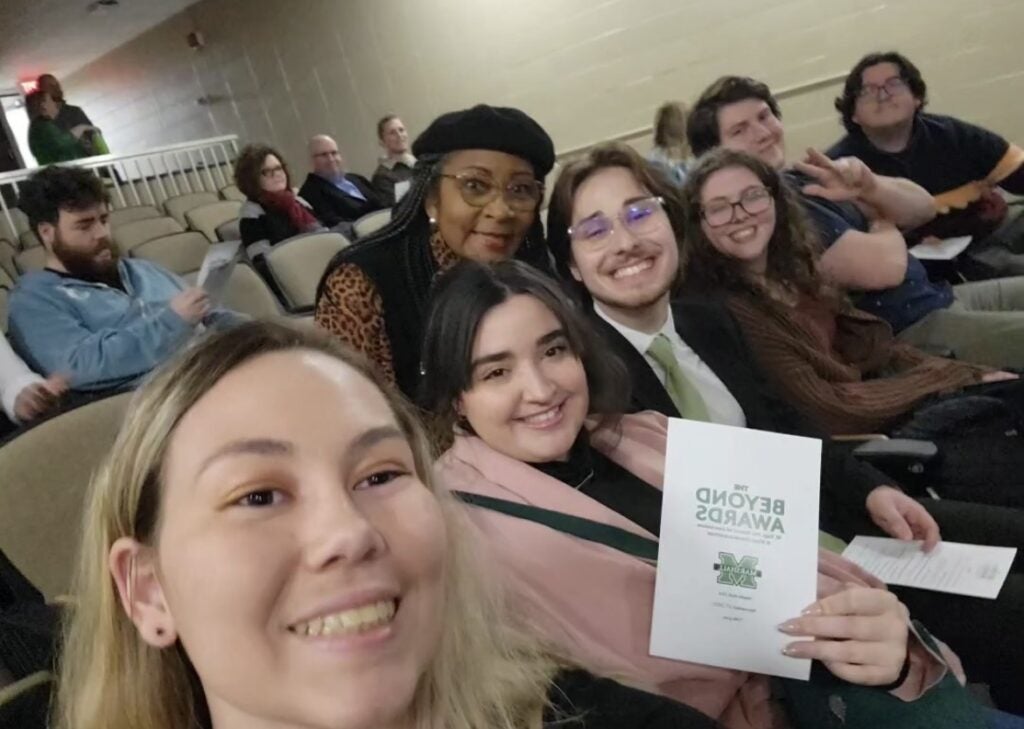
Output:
x,y
621,258
335,195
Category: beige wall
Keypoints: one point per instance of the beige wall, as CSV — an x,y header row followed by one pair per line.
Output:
x,y
586,70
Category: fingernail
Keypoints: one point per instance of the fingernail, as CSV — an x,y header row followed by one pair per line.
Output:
x,y
811,610
791,651
789,627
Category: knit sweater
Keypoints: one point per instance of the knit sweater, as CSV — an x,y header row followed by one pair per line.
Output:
x,y
862,381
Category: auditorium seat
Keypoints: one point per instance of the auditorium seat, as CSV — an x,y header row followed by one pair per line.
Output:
x,y
247,293
46,472
230,230
122,216
20,224
30,259
231,192
372,222
181,253
7,255
129,235
29,239
207,218
176,207
298,263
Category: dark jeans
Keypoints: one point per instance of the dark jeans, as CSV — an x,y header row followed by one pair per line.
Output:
x,y
985,634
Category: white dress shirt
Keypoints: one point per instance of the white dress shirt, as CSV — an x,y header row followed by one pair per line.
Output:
x,y
722,406
15,376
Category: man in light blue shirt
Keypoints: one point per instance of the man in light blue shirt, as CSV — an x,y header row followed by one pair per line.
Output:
x,y
100,321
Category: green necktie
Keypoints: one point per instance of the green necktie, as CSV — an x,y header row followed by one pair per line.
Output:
x,y
683,392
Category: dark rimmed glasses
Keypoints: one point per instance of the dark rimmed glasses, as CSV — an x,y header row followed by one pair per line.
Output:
x,y
719,211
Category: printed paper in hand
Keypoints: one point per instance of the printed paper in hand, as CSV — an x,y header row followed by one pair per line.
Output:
x,y
945,250
216,269
962,569
738,553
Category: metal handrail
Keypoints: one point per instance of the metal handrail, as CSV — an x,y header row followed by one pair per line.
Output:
x,y
150,176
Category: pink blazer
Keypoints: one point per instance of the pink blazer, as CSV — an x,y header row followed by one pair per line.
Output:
x,y
594,602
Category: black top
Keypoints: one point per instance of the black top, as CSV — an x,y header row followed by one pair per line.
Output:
x,y
272,226
332,206
709,329
901,305
582,701
605,481
69,117
943,154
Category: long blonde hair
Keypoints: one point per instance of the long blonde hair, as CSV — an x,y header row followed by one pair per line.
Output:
x,y
485,673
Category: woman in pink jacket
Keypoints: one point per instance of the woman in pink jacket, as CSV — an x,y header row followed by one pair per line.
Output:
x,y
510,366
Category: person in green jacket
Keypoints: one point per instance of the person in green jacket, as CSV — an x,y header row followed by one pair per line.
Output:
x,y
48,142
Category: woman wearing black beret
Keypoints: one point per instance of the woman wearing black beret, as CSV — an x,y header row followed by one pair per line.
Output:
x,y
475,193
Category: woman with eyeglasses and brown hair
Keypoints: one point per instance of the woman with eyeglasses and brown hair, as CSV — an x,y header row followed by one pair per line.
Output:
x,y
272,211
475,194
747,238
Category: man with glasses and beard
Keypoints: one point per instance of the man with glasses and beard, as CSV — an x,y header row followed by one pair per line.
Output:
x,y
962,165
98,320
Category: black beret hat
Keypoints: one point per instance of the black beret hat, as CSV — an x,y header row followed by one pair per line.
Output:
x,y
489,127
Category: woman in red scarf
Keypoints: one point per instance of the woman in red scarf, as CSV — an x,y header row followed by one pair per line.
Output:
x,y
272,211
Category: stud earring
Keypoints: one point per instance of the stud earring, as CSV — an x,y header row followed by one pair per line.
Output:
x,y
433,222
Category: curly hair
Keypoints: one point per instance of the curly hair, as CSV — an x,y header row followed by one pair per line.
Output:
x,y
55,188
847,103
248,168
702,124
793,249
572,177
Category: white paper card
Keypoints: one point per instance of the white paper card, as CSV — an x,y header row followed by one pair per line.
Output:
x,y
738,553
945,250
962,569
216,269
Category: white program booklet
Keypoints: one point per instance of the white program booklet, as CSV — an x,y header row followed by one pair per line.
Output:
x,y
945,250
738,552
962,569
216,269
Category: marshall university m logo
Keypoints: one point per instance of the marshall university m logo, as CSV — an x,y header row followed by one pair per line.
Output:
x,y
737,574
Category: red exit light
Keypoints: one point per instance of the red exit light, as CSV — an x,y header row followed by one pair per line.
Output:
x,y
27,87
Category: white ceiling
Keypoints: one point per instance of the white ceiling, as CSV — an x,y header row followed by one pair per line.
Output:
x,y
61,36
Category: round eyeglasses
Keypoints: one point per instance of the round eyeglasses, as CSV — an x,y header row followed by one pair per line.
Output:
x,y
478,190
719,212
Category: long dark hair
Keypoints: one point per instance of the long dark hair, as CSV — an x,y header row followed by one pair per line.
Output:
x,y
793,249
462,298
572,177
847,103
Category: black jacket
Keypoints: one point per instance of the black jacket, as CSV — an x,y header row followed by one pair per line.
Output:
x,y
332,206
709,329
